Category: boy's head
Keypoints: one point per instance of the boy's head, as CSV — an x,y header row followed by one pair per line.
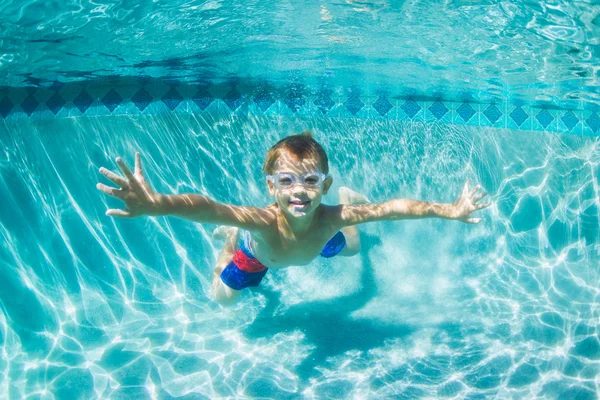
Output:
x,y
297,168
301,146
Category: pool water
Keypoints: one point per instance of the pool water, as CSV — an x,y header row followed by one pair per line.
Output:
x,y
101,308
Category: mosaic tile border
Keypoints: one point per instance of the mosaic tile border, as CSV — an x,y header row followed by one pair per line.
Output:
x,y
79,99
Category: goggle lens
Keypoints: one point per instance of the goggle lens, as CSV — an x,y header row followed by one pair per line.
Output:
x,y
309,180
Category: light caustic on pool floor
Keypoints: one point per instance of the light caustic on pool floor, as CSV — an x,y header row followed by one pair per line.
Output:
x,y
99,308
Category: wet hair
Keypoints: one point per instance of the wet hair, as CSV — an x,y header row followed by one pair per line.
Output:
x,y
302,145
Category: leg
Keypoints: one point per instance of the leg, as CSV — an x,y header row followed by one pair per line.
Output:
x,y
222,293
348,196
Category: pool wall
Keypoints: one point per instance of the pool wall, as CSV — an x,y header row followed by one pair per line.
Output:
x,y
95,307
152,96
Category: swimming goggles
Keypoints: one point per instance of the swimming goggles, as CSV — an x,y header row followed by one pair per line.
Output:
x,y
286,180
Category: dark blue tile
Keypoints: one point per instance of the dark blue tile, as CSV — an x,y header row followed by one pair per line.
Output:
x,y
264,100
294,100
519,115
112,100
492,113
438,109
5,107
570,120
593,122
172,99
465,111
324,102
544,118
233,99
411,108
202,98
353,104
382,106
55,103
141,99
83,101
29,105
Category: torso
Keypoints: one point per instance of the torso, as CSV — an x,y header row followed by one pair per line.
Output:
x,y
276,249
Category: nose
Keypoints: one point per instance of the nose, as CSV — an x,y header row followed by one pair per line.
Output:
x,y
298,188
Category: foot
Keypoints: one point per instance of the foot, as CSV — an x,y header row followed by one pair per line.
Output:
x,y
222,232
348,196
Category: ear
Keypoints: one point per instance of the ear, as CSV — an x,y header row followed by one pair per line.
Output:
x,y
271,188
327,184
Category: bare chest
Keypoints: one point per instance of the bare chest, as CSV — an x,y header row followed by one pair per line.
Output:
x,y
281,252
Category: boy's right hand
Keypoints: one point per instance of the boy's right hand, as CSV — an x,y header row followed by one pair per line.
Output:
x,y
138,196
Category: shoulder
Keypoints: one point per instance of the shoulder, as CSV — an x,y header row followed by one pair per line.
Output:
x,y
268,214
331,215
257,219
327,210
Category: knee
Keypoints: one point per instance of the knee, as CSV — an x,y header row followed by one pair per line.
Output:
x,y
352,241
352,247
225,301
223,294
353,251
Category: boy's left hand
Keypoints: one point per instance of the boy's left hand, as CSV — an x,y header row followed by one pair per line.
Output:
x,y
467,204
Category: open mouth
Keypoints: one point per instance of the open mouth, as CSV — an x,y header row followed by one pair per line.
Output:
x,y
299,203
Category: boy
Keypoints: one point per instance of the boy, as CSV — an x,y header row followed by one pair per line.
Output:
x,y
292,231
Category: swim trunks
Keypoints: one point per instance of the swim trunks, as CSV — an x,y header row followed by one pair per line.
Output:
x,y
334,246
245,270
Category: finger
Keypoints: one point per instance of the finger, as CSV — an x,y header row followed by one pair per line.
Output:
x,y
480,206
125,169
118,213
114,177
114,192
474,190
133,183
474,220
466,188
138,164
480,196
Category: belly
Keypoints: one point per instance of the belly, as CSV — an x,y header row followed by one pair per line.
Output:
x,y
280,261
279,254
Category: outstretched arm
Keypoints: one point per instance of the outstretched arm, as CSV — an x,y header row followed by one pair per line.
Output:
x,y
140,199
397,209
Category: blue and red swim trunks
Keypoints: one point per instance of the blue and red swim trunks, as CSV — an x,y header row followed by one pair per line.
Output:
x,y
245,270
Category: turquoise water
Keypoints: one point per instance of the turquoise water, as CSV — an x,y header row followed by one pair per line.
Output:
x,y
501,93
102,308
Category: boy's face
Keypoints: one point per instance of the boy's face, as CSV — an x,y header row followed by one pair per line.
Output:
x,y
298,201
